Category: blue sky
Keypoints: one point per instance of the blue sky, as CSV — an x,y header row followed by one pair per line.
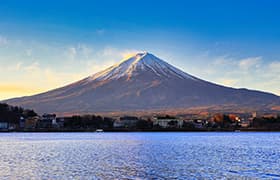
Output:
x,y
47,44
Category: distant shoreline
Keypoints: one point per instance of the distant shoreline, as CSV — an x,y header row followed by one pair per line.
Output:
x,y
142,130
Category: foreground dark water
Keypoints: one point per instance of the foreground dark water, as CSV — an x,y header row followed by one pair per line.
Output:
x,y
139,155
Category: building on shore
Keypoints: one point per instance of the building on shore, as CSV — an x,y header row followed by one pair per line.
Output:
x,y
126,122
245,123
167,122
199,123
47,121
31,122
21,122
4,125
59,122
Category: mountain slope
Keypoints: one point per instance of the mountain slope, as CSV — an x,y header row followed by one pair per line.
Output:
x,y
138,83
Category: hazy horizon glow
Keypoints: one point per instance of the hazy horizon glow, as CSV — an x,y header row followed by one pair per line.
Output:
x,y
48,44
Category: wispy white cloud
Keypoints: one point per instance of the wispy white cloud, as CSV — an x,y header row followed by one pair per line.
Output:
x,y
228,81
79,52
117,53
71,52
224,60
251,62
36,75
32,67
250,72
3,41
85,50
274,66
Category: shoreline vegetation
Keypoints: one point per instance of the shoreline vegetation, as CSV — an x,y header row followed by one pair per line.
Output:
x,y
137,130
17,119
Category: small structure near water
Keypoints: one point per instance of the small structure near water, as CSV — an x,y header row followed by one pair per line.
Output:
x,y
126,122
167,122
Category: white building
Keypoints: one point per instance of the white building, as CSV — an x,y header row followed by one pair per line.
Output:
x,y
47,117
47,121
126,122
168,122
4,125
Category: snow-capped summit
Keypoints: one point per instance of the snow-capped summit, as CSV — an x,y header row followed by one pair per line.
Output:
x,y
142,61
142,82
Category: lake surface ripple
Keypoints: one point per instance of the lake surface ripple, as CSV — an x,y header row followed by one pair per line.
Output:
x,y
140,156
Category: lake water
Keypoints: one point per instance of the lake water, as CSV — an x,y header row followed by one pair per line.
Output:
x,y
139,155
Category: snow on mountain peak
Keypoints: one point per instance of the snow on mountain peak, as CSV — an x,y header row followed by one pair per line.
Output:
x,y
134,65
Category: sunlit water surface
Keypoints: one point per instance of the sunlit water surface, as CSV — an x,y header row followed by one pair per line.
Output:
x,y
139,155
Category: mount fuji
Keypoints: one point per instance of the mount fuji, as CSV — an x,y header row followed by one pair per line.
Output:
x,y
142,82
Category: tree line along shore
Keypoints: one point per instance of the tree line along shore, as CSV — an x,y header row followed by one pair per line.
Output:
x,y
13,118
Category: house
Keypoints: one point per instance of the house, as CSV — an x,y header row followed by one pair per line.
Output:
x,y
199,123
47,121
118,124
254,115
126,122
12,126
49,117
167,122
245,123
21,122
60,122
4,125
31,122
